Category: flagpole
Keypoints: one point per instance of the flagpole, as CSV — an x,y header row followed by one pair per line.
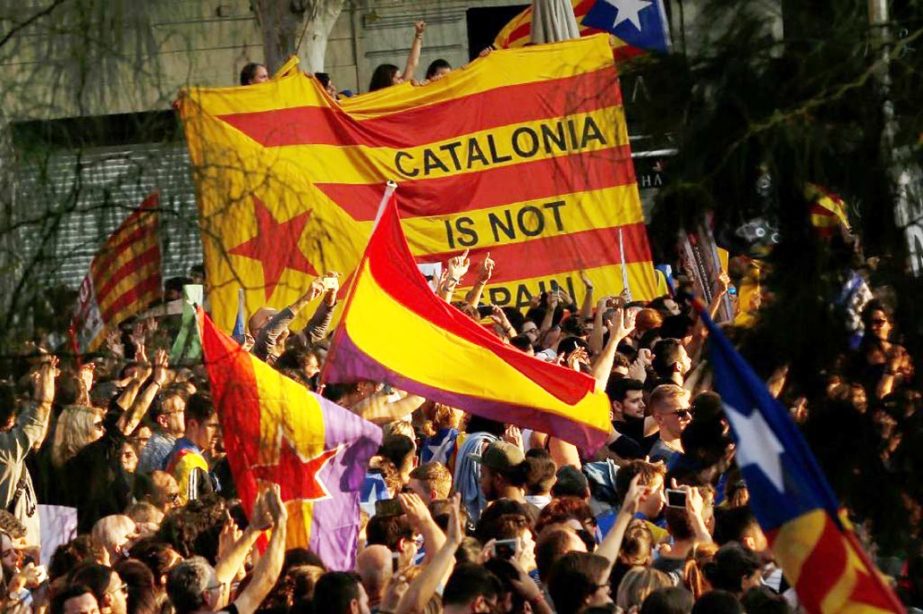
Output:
x,y
625,287
390,188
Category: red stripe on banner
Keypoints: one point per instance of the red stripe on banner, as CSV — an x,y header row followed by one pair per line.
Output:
x,y
828,562
130,267
435,122
144,288
236,397
523,31
111,252
549,256
394,271
578,172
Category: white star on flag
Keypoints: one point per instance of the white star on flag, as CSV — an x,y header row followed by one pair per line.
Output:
x,y
627,10
757,444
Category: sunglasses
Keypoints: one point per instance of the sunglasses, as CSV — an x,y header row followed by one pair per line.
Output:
x,y
683,413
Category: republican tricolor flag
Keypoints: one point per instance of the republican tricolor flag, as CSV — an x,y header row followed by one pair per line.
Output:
x,y
396,330
816,549
275,430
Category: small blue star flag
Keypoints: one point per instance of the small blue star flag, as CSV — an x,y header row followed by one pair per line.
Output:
x,y
789,494
640,23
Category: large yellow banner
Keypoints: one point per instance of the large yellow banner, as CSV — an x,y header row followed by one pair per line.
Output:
x,y
523,154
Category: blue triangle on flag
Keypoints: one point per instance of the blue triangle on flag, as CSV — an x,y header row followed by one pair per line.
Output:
x,y
622,19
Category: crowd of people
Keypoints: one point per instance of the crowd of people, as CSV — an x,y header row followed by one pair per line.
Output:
x,y
459,513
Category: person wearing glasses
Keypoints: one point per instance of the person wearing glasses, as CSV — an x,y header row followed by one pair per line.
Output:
x,y
670,408
110,591
168,417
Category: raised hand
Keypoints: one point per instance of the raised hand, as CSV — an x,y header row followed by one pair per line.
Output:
x,y
586,280
623,323
43,380
161,362
487,269
513,435
416,510
114,343
634,495
419,27
457,266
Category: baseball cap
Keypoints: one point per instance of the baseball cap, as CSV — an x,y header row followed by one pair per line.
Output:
x,y
570,482
500,456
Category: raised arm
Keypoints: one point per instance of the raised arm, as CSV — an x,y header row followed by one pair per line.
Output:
x,y
586,309
413,58
378,409
598,334
270,566
129,420
612,543
623,322
31,426
456,267
422,522
474,294
424,586
142,372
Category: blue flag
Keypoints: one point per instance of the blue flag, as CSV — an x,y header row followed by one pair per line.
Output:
x,y
640,23
240,330
790,497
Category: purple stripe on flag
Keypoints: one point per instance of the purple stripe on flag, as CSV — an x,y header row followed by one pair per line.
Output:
x,y
351,364
335,521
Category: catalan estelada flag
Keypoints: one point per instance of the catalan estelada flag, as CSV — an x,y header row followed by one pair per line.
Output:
x,y
124,277
828,210
275,430
396,330
812,542
523,154
636,26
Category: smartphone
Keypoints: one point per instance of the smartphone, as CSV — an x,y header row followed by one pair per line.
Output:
x,y
676,498
554,286
331,283
395,562
506,549
485,311
388,507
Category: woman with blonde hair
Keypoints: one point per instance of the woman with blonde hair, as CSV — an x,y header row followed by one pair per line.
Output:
x,y
77,427
637,584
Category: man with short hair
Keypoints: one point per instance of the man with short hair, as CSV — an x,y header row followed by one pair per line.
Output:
x,y
650,504
340,592
431,481
670,409
186,461
110,592
471,589
373,564
540,477
671,362
168,417
75,599
636,434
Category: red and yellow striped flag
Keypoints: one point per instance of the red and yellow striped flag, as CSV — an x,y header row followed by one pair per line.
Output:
x,y
523,154
124,276
828,210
